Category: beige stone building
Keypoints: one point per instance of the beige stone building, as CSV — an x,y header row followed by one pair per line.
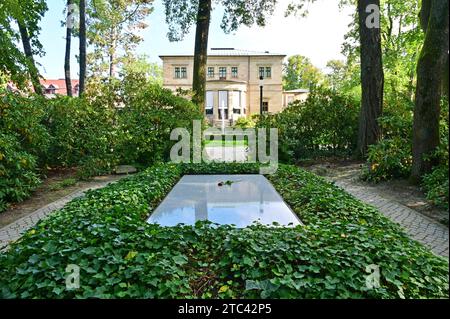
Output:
x,y
294,95
233,81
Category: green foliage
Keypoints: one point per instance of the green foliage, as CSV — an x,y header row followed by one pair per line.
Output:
x,y
300,73
18,176
80,130
13,62
244,122
62,184
325,124
146,123
113,33
436,186
392,156
23,139
114,123
25,118
141,66
181,15
345,77
121,256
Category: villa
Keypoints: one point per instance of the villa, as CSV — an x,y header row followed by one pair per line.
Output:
x,y
233,81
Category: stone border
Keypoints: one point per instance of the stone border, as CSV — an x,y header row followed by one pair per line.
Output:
x,y
421,228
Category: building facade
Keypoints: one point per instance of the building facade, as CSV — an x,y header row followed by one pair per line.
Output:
x,y
232,81
53,87
295,95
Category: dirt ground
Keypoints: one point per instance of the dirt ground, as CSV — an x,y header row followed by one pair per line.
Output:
x,y
400,191
44,194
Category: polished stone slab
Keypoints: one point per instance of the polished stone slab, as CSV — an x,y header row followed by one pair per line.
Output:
x,y
247,199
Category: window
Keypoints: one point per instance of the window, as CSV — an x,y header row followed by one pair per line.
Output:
x,y
222,73
211,72
180,72
236,101
290,99
51,89
265,72
261,71
234,72
265,107
183,73
209,107
223,104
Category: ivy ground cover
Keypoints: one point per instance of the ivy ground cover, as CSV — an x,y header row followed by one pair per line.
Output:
x,y
121,256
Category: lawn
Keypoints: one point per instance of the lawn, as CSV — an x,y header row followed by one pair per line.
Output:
x,y
121,256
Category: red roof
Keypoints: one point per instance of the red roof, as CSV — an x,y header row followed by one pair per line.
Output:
x,y
59,86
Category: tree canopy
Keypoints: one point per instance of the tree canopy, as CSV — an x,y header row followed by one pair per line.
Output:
x,y
299,72
181,15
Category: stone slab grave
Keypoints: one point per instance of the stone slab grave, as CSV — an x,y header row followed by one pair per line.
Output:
x,y
224,199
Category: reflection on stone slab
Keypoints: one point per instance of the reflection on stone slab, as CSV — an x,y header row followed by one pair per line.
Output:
x,y
248,199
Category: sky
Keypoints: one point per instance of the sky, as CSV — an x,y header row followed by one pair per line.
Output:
x,y
318,36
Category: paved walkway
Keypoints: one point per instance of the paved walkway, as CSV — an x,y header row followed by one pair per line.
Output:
x,y
16,229
419,227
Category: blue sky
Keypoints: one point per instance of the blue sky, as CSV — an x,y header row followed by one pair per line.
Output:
x,y
318,36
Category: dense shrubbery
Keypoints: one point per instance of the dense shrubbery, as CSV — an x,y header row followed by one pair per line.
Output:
x,y
244,122
392,156
18,175
92,132
436,186
121,256
324,125
23,139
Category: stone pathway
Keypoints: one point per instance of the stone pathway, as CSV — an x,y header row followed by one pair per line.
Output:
x,y
425,230
16,229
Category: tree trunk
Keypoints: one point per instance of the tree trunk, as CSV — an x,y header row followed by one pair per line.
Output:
x,y
68,46
372,79
430,76
34,73
200,53
82,46
112,51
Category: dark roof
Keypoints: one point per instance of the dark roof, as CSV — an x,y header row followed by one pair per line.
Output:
x,y
228,52
297,91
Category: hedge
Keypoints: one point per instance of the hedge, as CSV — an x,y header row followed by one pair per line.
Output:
x,y
121,256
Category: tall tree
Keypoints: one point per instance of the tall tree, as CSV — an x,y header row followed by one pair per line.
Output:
x,y
182,14
69,25
299,72
20,66
372,76
34,73
434,21
113,33
82,56
201,53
